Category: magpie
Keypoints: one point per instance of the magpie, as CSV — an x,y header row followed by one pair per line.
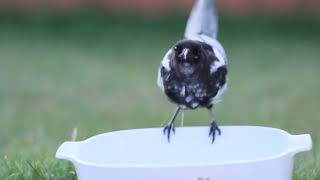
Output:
x,y
193,73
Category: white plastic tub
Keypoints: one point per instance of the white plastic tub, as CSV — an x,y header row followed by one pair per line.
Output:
x,y
240,153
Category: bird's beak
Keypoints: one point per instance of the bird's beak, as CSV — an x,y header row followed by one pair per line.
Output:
x,y
185,53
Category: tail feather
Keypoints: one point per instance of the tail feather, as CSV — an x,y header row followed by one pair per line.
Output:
x,y
203,20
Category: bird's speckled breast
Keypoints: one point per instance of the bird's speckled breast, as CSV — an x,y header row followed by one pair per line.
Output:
x,y
197,94
194,93
189,95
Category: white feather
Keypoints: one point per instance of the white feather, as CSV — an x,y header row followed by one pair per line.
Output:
x,y
159,80
217,64
185,53
183,91
166,64
166,61
203,20
194,105
217,98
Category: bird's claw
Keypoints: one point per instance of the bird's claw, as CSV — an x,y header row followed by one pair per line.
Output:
x,y
167,130
213,128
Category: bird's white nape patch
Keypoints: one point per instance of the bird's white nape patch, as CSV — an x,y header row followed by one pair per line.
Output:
x,y
217,64
185,53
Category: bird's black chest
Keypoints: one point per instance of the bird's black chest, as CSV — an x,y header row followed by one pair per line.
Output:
x,y
191,93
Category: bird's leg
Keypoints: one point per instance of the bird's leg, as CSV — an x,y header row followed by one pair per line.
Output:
x,y
170,126
213,126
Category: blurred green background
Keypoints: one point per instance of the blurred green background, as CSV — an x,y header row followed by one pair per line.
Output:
x,y
94,72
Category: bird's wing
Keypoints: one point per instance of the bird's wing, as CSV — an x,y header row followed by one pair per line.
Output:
x,y
164,64
165,61
203,20
160,79
220,80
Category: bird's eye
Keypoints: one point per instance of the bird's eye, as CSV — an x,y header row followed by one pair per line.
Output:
x,y
195,53
177,49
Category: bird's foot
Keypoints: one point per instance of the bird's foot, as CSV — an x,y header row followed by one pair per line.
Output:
x,y
167,130
213,129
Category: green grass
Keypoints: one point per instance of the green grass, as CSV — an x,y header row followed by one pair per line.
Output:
x,y
97,74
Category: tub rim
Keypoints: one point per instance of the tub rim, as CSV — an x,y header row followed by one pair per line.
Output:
x,y
292,149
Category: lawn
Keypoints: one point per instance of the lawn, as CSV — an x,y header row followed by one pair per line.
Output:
x,y
97,73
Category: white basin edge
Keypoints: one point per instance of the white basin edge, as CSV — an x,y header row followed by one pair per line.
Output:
x,y
297,143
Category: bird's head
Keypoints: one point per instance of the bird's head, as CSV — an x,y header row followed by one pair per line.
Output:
x,y
190,56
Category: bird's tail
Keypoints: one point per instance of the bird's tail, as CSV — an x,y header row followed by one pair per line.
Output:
x,y
203,20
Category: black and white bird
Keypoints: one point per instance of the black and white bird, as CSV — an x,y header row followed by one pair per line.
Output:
x,y
193,73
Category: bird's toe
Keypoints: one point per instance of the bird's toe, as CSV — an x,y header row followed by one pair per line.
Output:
x,y
167,130
213,129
